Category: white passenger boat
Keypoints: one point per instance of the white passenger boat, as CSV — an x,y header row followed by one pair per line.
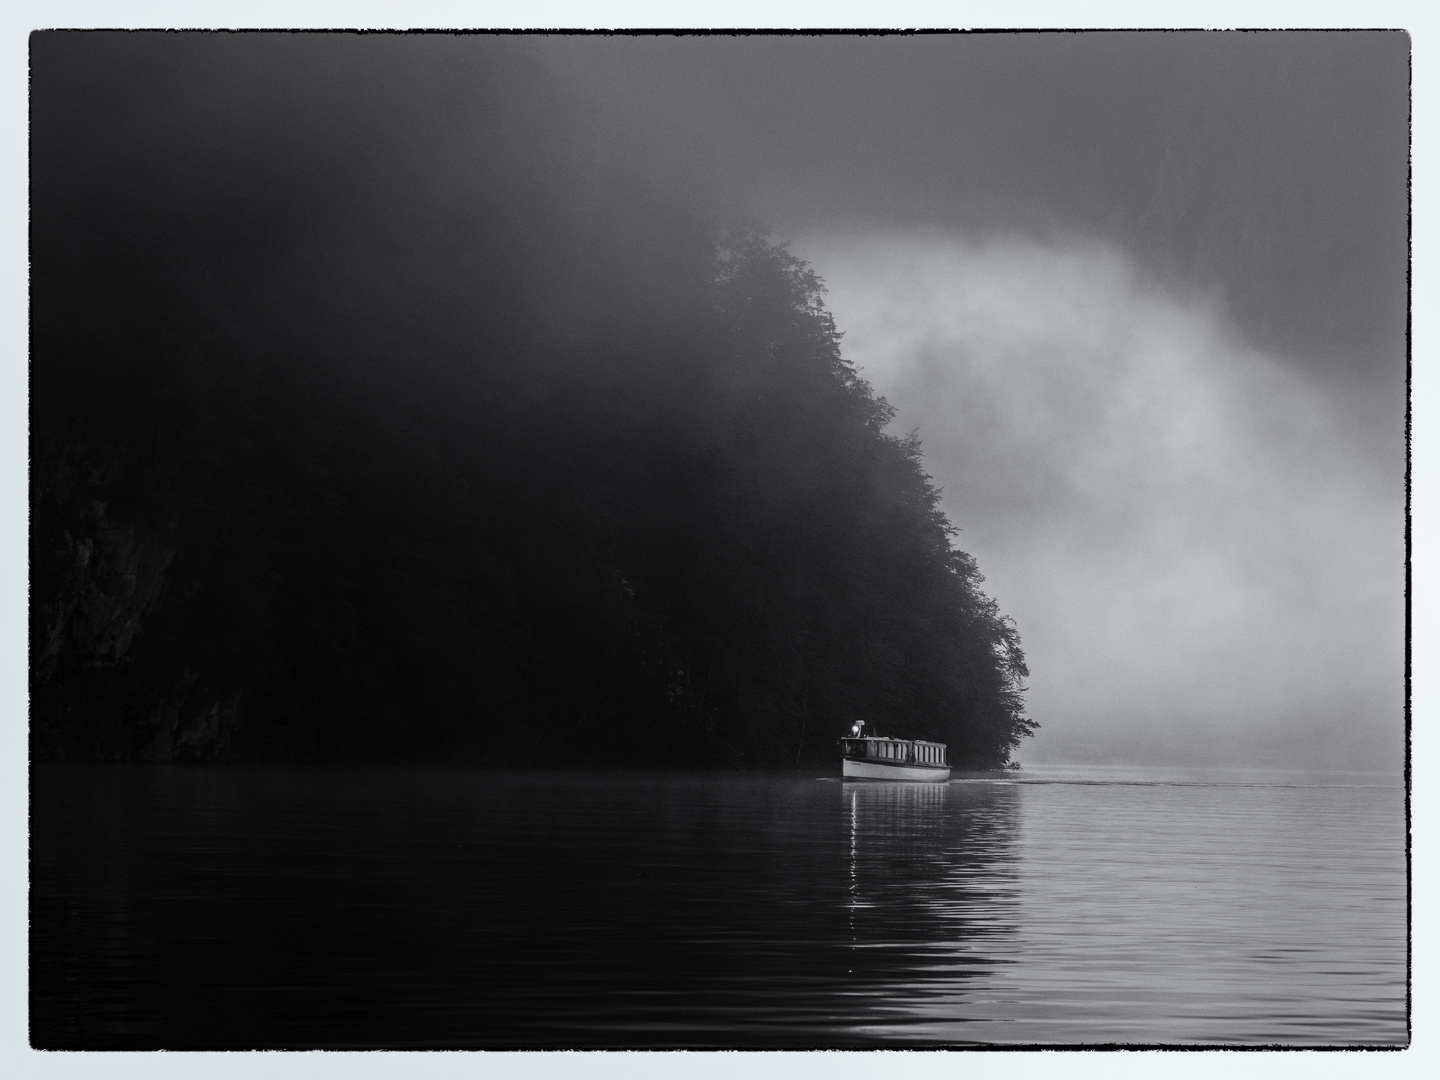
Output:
x,y
879,757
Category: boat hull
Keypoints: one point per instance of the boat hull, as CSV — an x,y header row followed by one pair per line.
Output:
x,y
913,772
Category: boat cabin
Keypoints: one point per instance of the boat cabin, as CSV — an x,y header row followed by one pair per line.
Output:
x,y
881,748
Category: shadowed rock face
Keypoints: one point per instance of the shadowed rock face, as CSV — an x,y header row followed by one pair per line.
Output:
x,y
116,576
96,582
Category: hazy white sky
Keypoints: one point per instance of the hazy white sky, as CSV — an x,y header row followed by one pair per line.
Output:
x,y
1204,562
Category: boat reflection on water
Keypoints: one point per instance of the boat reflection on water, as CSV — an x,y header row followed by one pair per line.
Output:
x,y
933,895
890,821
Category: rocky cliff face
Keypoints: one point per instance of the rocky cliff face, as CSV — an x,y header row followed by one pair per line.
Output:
x,y
110,580
97,580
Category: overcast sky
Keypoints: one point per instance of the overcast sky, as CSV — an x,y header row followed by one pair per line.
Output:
x,y
1144,297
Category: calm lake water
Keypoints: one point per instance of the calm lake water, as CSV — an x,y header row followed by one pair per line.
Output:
x,y
190,908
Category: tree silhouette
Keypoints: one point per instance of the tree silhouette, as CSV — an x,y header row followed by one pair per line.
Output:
x,y
332,461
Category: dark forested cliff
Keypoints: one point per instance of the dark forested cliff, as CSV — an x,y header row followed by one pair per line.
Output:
x,y
378,416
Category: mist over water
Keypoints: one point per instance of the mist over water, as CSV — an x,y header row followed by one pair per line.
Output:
x,y
1203,554
441,401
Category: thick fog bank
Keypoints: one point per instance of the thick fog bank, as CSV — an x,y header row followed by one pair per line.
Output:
x,y
1203,552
